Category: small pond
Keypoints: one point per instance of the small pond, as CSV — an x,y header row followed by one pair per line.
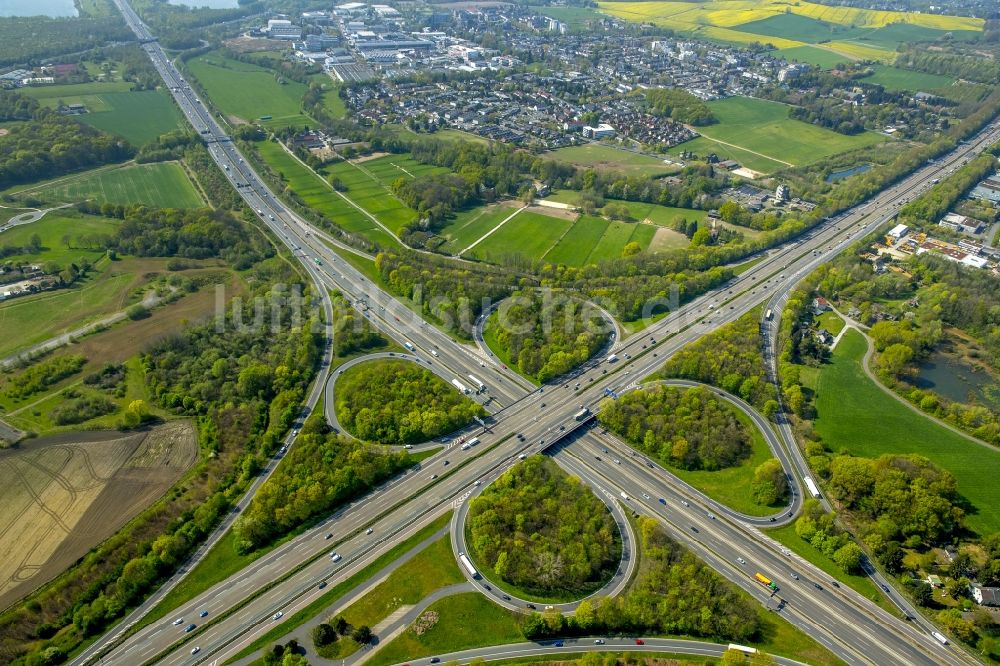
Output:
x,y
956,380
847,173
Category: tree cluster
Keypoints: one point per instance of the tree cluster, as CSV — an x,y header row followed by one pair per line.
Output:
x,y
84,408
435,196
678,105
50,145
31,39
686,428
820,529
547,334
398,402
320,473
931,206
729,358
674,593
544,531
949,64
453,293
42,375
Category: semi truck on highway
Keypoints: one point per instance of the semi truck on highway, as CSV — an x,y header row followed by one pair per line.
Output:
x,y
612,358
467,563
477,383
460,386
766,582
811,487
469,444
939,637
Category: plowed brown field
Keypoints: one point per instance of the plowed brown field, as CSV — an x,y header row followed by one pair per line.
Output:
x,y
63,495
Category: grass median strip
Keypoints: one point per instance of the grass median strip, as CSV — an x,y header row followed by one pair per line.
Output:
x,y
341,589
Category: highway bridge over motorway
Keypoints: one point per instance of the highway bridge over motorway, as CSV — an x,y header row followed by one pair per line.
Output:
x,y
240,608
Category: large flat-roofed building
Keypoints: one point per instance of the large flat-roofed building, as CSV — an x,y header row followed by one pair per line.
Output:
x,y
602,131
283,29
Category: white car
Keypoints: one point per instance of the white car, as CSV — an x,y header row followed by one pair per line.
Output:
x,y
178,621
741,560
195,650
369,531
277,616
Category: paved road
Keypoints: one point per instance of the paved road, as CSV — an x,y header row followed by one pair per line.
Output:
x,y
613,646
296,562
33,215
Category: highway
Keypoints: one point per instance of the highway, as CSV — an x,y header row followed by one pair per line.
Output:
x,y
527,422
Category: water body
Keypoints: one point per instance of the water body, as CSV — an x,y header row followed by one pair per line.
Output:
x,y
54,8
847,173
211,4
956,380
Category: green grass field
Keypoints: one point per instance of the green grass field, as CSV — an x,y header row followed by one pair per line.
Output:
x,y
764,128
814,56
160,184
528,234
894,78
465,621
857,416
599,156
801,28
138,117
248,92
702,146
332,103
51,229
433,568
369,184
108,289
891,36
319,195
468,226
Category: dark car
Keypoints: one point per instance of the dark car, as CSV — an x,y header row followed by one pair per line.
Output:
x,y
694,529
506,597
190,627
557,644
435,660
487,587
663,501
204,613
322,585
818,586
532,606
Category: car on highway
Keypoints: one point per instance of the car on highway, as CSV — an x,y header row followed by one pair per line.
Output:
x,y
684,502
557,644
663,501
178,621
598,641
795,575
532,606
277,616
618,462
204,613
195,650
191,627
639,641
818,586
711,516
741,560
435,660
488,588
328,536
694,529
368,531
506,597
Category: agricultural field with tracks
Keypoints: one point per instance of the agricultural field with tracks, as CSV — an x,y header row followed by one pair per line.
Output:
x,y
67,493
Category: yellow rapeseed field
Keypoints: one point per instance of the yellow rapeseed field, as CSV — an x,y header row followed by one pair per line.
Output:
x,y
730,13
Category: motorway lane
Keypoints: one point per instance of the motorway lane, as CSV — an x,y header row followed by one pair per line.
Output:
x,y
844,617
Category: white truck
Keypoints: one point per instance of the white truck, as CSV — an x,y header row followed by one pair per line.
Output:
x,y
460,386
469,444
480,386
612,358
408,345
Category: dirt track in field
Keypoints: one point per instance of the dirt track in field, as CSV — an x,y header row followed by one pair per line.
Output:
x,y
65,494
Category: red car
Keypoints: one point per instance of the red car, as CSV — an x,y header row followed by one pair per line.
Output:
x,y
639,641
